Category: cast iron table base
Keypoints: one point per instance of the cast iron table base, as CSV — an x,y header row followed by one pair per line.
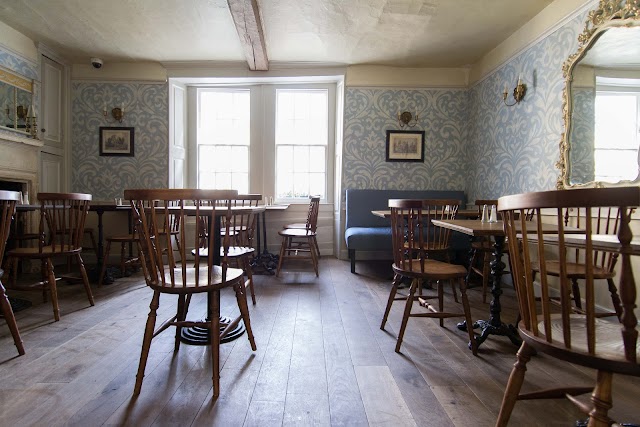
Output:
x,y
495,326
198,335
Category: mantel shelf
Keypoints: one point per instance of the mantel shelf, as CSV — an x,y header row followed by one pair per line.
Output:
x,y
15,137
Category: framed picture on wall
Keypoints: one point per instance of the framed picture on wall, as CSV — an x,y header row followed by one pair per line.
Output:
x,y
405,146
116,141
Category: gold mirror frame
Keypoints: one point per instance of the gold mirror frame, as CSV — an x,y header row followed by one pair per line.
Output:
x,y
608,14
18,83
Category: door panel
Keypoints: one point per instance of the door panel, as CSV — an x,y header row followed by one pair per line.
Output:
x,y
51,117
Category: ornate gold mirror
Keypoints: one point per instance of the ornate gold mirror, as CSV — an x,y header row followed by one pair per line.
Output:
x,y
16,103
601,100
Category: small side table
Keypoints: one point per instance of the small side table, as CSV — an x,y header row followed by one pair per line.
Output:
x,y
265,262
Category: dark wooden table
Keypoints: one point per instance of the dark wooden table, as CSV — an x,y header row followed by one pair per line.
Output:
x,y
100,208
495,230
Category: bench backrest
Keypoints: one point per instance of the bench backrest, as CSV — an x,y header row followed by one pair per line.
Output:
x,y
360,203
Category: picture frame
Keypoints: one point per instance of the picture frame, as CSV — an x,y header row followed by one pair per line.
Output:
x,y
405,146
117,141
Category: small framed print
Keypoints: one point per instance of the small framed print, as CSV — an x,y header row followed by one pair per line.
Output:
x,y
405,146
116,141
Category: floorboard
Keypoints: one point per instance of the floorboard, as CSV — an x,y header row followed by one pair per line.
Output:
x,y
321,360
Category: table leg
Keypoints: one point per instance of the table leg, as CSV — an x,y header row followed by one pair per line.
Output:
x,y
264,262
495,326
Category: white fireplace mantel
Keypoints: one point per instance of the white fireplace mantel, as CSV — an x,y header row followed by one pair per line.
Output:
x,y
20,159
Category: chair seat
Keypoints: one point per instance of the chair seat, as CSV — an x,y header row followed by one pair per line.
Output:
x,y
302,225
202,285
296,232
430,247
47,251
574,270
123,238
609,344
234,251
433,269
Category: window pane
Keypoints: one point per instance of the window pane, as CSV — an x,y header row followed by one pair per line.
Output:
x,y
300,159
616,164
616,121
240,156
223,181
240,182
284,156
317,161
316,184
207,180
223,139
300,185
301,117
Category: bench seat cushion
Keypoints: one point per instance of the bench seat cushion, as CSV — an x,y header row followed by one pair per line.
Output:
x,y
368,238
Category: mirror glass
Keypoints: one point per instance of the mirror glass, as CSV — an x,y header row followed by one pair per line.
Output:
x,y
605,114
14,102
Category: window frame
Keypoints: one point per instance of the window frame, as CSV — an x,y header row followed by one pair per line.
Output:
x,y
619,91
262,147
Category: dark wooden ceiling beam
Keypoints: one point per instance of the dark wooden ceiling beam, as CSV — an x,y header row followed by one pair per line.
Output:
x,y
246,17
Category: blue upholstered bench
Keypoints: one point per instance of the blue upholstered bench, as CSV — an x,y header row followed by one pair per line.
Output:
x,y
367,232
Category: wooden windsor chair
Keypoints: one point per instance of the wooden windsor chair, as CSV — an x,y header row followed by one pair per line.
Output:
x,y
609,347
8,200
295,240
166,273
62,218
314,209
415,240
606,221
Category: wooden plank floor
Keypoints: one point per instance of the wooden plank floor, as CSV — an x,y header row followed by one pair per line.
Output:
x,y
321,360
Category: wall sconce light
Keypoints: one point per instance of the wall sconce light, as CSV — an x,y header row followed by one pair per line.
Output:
x,y
117,113
518,92
405,119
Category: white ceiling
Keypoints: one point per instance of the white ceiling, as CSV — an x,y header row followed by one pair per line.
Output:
x,y
417,33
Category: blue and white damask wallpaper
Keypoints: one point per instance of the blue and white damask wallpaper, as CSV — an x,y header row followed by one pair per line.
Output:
x,y
146,109
443,115
583,168
473,141
515,149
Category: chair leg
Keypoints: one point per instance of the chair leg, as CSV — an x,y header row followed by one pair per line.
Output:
x,y
105,261
352,258
214,332
467,316
146,341
85,279
123,257
244,312
283,248
392,294
407,313
516,378
53,289
575,290
9,317
601,399
440,287
314,255
247,270
615,299
180,317
315,242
